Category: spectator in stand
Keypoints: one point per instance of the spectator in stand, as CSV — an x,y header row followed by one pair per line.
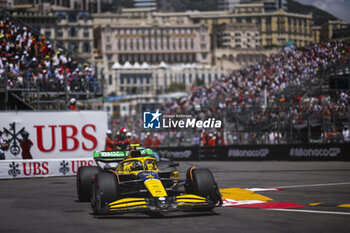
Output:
x,y
272,137
109,143
157,141
211,140
135,140
148,141
197,139
29,58
346,134
3,147
26,144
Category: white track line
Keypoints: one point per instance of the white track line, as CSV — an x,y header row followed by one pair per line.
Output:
x,y
312,211
312,185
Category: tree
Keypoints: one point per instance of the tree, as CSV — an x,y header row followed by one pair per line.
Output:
x,y
174,87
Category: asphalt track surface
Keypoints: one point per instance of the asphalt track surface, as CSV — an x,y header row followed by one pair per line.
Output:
x,y
50,204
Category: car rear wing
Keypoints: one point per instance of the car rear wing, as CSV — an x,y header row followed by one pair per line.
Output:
x,y
110,156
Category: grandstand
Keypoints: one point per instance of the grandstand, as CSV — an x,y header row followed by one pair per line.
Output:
x,y
35,76
300,95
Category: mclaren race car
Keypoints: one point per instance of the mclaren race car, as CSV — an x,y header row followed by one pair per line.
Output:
x,y
138,184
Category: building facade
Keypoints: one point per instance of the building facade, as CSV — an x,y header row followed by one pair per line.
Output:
x,y
236,36
154,43
327,29
276,28
155,79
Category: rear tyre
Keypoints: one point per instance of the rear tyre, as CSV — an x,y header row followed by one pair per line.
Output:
x,y
84,180
105,189
202,183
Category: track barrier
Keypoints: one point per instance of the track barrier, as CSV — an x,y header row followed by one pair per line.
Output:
x,y
281,152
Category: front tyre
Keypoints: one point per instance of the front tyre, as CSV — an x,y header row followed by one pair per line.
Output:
x,y
84,180
105,189
201,182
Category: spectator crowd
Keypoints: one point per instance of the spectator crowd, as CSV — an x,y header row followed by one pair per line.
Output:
x,y
269,96
266,96
30,61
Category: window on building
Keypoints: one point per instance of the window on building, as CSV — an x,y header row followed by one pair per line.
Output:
x,y
108,47
59,34
72,17
72,32
86,34
137,43
47,33
165,80
168,42
149,42
110,79
74,46
86,47
109,57
131,43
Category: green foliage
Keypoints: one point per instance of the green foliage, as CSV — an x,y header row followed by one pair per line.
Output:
x,y
319,16
174,87
199,82
185,5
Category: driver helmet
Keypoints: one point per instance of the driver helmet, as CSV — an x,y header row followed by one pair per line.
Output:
x,y
72,101
128,134
109,132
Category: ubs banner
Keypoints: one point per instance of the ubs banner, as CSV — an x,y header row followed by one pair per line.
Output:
x,y
292,152
42,168
55,135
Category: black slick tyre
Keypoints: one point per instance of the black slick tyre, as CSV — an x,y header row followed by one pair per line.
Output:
x,y
84,180
201,182
105,189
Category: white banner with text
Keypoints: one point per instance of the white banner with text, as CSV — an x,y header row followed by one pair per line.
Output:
x,y
53,135
42,168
